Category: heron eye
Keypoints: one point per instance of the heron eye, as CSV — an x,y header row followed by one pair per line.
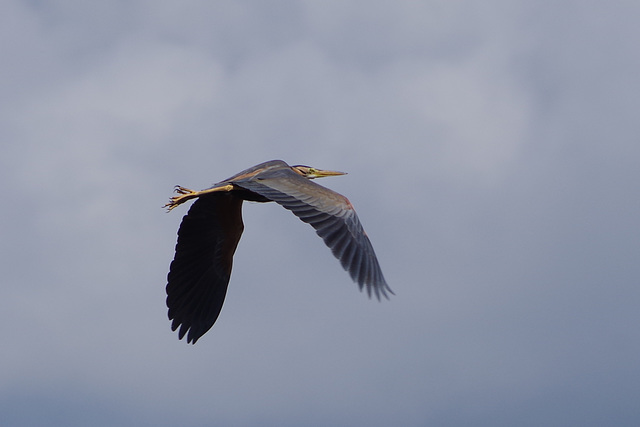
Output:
x,y
312,170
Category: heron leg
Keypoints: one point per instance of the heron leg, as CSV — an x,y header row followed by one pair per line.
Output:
x,y
185,194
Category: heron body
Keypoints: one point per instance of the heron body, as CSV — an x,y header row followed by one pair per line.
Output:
x,y
209,234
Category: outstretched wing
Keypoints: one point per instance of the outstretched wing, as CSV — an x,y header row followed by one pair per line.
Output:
x,y
200,271
333,218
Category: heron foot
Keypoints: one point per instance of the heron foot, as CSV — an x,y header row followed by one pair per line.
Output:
x,y
184,195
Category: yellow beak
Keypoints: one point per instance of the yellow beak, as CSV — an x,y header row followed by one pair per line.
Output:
x,y
319,173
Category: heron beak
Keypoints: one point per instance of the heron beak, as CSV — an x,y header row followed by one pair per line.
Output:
x,y
321,173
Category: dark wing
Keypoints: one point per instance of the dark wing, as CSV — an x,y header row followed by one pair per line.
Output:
x,y
200,271
333,218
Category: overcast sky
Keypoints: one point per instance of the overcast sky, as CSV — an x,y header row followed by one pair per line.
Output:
x,y
493,152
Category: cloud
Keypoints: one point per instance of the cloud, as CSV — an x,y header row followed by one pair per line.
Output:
x,y
491,157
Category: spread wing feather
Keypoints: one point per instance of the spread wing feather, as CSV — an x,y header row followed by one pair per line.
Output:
x,y
200,271
334,220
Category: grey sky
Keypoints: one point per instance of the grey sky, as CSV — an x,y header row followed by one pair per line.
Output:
x,y
492,150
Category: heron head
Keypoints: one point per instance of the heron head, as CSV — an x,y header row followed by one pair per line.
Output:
x,y
311,173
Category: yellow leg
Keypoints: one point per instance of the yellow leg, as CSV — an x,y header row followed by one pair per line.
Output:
x,y
186,194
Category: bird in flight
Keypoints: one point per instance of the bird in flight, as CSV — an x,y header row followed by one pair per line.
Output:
x,y
209,234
